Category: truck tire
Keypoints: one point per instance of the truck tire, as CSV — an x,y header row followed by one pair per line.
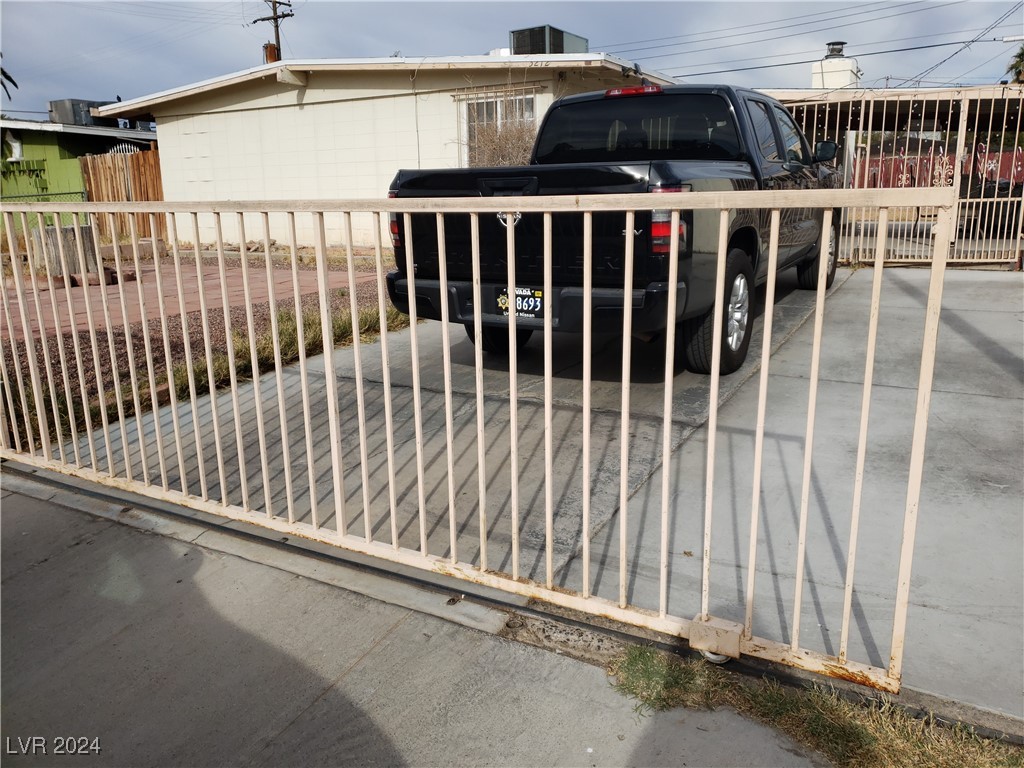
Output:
x,y
698,333
495,339
807,271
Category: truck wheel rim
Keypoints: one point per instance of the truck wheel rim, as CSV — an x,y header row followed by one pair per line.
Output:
x,y
739,312
833,250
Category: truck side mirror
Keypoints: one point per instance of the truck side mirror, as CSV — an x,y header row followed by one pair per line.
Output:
x,y
825,151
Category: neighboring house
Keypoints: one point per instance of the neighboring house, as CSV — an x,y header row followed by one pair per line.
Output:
x,y
41,159
340,129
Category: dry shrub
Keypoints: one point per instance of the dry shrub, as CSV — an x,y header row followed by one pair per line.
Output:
x,y
508,143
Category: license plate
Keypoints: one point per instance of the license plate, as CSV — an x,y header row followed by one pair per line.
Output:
x,y
529,302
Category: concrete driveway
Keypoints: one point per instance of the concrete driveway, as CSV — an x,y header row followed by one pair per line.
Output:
x,y
965,638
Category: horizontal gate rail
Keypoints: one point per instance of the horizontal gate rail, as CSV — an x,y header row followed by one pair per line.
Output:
x,y
388,447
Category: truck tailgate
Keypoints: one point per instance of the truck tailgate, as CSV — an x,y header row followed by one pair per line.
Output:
x,y
567,228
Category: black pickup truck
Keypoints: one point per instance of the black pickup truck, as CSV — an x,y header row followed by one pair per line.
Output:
x,y
625,140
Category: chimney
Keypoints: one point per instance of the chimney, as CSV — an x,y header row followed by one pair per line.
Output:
x,y
835,49
270,53
836,69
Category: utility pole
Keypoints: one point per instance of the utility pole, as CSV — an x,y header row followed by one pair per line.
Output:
x,y
276,19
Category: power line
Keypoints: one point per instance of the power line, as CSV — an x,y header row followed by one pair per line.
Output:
x,y
760,28
773,38
608,47
276,18
968,44
988,61
721,62
814,61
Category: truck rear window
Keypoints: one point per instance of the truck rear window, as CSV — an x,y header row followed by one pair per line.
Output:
x,y
688,126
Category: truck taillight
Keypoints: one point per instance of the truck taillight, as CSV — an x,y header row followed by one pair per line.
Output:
x,y
661,223
396,232
633,90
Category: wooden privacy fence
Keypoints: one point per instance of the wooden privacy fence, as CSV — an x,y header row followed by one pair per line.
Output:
x,y
125,178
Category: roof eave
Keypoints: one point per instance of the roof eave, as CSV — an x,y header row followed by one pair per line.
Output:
x,y
143,105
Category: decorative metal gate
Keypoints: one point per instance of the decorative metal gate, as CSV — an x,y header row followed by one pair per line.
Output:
x,y
584,488
969,139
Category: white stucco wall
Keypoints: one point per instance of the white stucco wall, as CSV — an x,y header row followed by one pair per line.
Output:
x,y
344,135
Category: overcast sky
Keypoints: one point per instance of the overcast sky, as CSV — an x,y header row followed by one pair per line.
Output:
x,y
100,50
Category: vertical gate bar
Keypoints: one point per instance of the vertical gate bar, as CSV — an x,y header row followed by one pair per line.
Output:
x,y
906,234
861,212
812,402
28,337
627,349
208,352
855,221
333,414
978,204
385,357
666,428
588,335
762,409
478,370
133,375
716,372
147,342
924,397
14,426
513,388
30,345
881,157
229,349
189,361
1018,233
991,207
257,387
360,406
7,427
51,280
862,442
76,345
357,357
44,341
549,505
951,157
300,334
1003,222
417,406
962,206
275,332
446,359
15,361
107,318
94,344
168,360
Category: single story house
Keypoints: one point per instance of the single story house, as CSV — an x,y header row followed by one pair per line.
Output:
x,y
40,160
340,129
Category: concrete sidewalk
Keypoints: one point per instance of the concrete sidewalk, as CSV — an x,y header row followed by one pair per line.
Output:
x,y
199,648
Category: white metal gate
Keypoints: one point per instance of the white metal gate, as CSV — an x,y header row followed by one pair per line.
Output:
x,y
968,139
415,448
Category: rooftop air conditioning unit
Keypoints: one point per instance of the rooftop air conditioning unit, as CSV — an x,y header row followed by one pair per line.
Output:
x,y
76,112
546,39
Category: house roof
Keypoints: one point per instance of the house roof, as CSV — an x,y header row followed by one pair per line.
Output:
x,y
87,130
295,71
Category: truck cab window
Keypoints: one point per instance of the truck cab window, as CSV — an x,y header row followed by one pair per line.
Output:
x,y
762,124
796,148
